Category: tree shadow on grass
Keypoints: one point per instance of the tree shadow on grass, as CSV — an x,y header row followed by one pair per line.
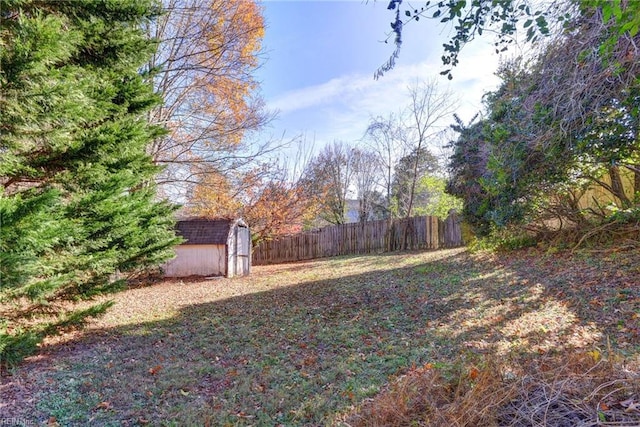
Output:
x,y
302,354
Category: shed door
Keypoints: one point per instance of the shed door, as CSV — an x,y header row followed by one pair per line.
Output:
x,y
243,251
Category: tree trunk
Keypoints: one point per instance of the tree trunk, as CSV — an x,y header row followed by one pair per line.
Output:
x,y
636,186
617,187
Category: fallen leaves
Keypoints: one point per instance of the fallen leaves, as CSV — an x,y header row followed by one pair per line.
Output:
x,y
595,355
155,369
103,405
473,373
292,336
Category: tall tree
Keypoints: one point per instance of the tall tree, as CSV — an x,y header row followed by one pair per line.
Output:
x,y
271,206
437,201
423,119
366,171
329,175
467,168
208,52
272,199
558,125
409,172
387,138
218,195
77,201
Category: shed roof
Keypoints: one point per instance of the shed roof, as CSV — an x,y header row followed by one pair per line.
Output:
x,y
205,231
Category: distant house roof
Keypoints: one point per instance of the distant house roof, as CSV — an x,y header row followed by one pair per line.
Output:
x,y
206,231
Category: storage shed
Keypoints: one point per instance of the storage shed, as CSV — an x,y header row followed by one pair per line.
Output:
x,y
212,247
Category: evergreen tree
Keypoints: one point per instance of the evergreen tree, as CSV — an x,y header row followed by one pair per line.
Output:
x,y
77,201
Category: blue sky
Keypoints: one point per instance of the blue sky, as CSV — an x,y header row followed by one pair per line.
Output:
x,y
320,58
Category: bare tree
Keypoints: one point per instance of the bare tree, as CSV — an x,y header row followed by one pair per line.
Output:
x,y
404,142
423,121
366,171
329,175
387,138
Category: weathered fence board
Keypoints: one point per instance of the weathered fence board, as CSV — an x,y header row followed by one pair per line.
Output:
x,y
422,232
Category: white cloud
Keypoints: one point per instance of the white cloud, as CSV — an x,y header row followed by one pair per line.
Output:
x,y
309,97
360,89
340,109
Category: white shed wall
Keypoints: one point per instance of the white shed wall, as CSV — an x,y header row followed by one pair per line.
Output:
x,y
197,260
240,260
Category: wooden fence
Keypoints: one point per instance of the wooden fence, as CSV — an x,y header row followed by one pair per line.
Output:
x,y
423,232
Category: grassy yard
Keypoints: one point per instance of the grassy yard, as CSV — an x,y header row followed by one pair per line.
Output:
x,y
306,344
